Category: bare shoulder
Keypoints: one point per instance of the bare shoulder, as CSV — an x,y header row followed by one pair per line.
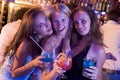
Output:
x,y
99,49
24,44
22,49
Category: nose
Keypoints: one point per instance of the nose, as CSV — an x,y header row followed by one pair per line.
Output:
x,y
79,25
48,24
59,24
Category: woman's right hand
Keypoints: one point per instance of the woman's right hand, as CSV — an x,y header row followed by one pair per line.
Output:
x,y
57,69
91,72
37,62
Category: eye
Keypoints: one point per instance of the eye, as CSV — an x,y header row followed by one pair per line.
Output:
x,y
76,22
83,21
40,25
56,21
63,20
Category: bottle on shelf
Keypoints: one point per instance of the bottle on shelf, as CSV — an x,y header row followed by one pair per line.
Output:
x,y
104,7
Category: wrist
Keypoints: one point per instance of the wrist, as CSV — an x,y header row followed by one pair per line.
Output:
x,y
31,64
55,71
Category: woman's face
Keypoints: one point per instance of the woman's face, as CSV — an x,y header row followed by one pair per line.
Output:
x,y
82,22
43,25
60,22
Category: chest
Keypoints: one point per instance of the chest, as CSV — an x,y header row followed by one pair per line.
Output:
x,y
92,53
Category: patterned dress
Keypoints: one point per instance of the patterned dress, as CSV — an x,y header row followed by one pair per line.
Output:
x,y
6,69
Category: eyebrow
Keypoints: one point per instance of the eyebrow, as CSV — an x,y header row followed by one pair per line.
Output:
x,y
80,19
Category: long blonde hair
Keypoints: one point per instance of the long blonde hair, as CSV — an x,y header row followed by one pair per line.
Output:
x,y
62,8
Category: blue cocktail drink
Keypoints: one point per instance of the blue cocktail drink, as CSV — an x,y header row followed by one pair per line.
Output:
x,y
47,57
87,63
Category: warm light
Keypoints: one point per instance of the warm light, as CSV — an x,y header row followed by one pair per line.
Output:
x,y
11,5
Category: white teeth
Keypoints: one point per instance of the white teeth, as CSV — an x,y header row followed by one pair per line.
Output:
x,y
61,29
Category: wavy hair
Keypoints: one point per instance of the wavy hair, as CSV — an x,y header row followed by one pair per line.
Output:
x,y
25,30
94,34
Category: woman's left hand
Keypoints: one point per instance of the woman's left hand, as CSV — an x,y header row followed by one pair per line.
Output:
x,y
57,69
91,72
110,56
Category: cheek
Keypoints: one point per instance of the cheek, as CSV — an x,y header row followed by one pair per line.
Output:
x,y
88,26
55,27
41,31
66,24
76,27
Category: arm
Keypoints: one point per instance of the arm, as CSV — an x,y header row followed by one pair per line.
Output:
x,y
96,72
52,43
19,68
51,75
100,61
5,40
66,48
6,36
110,56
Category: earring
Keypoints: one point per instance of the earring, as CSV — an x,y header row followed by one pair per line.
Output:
x,y
34,32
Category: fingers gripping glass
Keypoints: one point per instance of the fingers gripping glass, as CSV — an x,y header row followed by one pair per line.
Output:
x,y
86,64
64,63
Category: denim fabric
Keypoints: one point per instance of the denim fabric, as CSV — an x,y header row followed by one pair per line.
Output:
x,y
106,76
114,76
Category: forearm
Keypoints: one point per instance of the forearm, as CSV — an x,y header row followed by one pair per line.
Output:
x,y
49,76
52,43
99,77
100,63
66,40
22,70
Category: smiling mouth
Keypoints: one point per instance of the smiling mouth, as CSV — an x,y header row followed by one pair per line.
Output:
x,y
61,29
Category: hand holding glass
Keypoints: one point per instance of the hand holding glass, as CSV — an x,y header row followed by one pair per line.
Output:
x,y
86,64
47,56
64,62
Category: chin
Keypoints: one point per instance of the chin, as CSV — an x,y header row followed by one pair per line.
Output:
x,y
83,33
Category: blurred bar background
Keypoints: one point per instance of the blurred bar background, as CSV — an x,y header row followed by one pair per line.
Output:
x,y
9,7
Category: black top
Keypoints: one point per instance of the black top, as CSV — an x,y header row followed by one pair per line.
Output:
x,y
75,73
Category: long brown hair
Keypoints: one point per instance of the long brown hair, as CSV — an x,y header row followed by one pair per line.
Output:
x,y
94,34
25,30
